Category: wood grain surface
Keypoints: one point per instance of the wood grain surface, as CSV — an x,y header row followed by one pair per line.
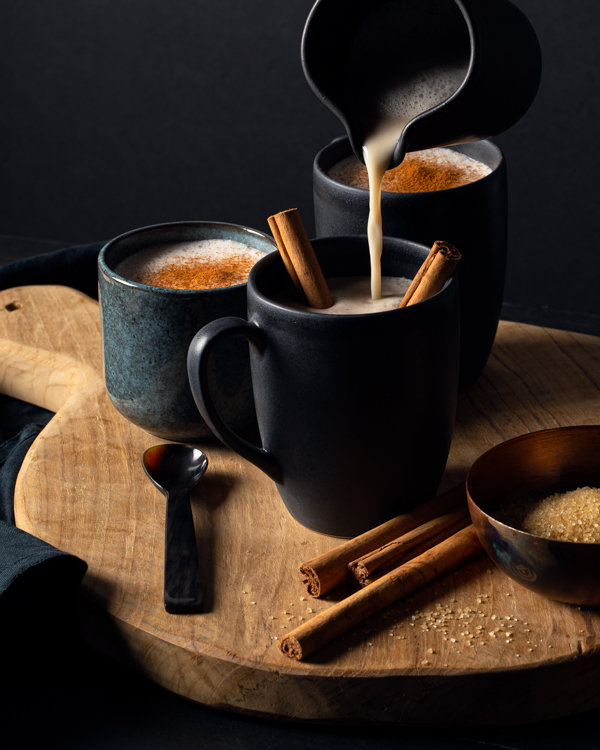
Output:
x,y
472,648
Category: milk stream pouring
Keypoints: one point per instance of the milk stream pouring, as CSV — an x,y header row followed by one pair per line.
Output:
x,y
406,75
398,108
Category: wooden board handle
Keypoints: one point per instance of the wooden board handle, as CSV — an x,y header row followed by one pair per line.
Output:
x,y
38,376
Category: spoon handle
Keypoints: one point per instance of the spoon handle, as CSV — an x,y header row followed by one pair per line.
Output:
x,y
183,587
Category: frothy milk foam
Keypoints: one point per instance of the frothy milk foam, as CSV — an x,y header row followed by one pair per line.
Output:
x,y
453,167
351,295
213,253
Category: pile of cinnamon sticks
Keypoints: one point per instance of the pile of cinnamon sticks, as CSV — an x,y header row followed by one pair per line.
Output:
x,y
387,563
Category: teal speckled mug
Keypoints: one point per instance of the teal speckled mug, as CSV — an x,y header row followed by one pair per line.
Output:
x,y
146,332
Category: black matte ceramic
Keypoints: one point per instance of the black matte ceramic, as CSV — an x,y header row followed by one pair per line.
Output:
x,y
355,411
147,330
491,39
472,217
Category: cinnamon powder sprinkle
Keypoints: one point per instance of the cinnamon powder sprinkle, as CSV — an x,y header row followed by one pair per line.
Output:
x,y
194,273
420,172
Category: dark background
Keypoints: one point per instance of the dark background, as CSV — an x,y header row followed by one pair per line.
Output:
x,y
123,113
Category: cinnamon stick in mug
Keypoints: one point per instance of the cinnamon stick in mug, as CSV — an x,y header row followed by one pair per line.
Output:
x,y
289,266
433,274
370,600
293,243
323,572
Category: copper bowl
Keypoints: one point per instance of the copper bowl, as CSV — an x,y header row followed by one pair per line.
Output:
x,y
538,464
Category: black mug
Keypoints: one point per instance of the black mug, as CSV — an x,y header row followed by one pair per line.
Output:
x,y
355,412
472,217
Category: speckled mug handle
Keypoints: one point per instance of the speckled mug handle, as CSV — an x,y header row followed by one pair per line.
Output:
x,y
197,362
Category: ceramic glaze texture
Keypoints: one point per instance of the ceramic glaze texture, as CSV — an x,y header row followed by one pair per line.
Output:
x,y
147,331
472,217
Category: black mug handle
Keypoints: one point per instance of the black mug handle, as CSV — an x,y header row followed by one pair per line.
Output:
x,y
197,362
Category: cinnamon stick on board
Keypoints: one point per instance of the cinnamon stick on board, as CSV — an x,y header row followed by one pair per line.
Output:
x,y
366,602
324,572
433,274
293,243
406,547
416,551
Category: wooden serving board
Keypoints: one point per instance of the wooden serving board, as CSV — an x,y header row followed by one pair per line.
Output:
x,y
471,648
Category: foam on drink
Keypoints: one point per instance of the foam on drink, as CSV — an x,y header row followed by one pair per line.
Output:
x,y
420,171
202,264
351,295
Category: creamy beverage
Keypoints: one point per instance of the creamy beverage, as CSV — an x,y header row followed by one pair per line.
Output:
x,y
388,83
352,295
201,264
396,109
419,172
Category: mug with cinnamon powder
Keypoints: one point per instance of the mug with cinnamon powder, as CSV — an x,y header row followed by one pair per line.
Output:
x,y
460,195
158,286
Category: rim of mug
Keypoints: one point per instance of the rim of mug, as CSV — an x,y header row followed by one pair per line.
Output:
x,y
414,195
286,310
112,275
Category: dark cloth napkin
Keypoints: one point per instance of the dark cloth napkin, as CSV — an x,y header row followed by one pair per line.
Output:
x,y
73,266
34,574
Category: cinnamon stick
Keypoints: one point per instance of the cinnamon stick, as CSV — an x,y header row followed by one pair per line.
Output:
x,y
324,572
366,602
394,553
289,266
433,274
421,548
293,243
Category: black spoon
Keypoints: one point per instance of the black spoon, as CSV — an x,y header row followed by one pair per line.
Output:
x,y
175,469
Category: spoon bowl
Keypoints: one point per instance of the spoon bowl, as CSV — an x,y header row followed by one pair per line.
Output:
x,y
174,466
174,469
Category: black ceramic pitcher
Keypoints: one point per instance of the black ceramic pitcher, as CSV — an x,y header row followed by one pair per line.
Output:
x,y
376,45
355,412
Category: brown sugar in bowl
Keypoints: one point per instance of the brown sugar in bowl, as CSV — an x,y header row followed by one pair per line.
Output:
x,y
537,465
